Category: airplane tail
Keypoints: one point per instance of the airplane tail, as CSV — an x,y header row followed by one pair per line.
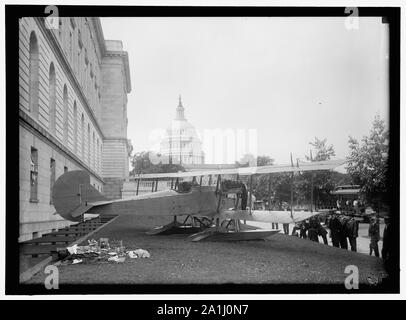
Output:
x,y
71,194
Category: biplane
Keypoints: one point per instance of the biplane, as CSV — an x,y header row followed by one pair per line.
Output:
x,y
209,212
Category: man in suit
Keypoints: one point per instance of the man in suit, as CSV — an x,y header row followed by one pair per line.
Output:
x,y
343,232
373,233
244,197
321,231
334,225
387,245
352,227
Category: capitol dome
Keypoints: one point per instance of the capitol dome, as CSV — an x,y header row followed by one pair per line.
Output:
x,y
181,142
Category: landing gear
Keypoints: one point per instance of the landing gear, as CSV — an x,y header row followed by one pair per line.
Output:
x,y
232,230
190,225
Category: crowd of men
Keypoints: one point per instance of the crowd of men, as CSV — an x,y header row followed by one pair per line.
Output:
x,y
310,229
344,232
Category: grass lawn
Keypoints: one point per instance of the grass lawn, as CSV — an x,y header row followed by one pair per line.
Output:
x,y
281,259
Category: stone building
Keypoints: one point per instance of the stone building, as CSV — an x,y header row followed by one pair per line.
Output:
x,y
73,87
181,143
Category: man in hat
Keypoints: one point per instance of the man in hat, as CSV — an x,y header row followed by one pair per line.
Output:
x,y
313,230
373,233
244,197
387,245
343,232
321,231
334,225
352,227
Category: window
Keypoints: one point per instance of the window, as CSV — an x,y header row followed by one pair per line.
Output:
x,y
34,175
52,167
94,151
65,113
88,143
33,75
101,152
60,28
65,169
79,71
35,235
70,49
75,127
82,131
97,155
52,98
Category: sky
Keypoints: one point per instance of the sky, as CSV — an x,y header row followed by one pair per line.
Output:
x,y
286,79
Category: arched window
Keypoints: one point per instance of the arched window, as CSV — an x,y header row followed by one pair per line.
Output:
x,y
34,75
65,114
88,143
97,156
82,131
100,156
94,151
75,127
52,98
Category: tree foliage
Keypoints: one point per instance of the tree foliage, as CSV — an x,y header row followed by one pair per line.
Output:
x,y
130,148
323,151
146,162
277,187
368,161
248,160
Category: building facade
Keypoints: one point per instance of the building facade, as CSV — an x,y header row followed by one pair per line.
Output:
x,y
73,87
181,143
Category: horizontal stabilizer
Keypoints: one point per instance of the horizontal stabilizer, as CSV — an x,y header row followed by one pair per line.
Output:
x,y
72,194
83,208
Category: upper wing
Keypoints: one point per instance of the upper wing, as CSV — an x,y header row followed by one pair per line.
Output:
x,y
302,166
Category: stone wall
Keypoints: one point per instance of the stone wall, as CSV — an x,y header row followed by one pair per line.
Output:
x,y
113,188
77,52
38,217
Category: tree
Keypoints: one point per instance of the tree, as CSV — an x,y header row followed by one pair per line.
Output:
x,y
264,161
323,151
260,184
147,162
368,161
248,160
130,148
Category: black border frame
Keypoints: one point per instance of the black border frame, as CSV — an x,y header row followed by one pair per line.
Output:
x,y
13,12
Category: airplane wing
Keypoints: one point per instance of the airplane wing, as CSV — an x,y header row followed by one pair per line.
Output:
x,y
268,216
302,166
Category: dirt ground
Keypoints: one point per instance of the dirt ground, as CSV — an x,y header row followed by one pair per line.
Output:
x,y
281,259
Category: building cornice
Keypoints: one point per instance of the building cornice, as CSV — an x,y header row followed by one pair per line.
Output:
x,y
99,35
27,122
124,56
51,38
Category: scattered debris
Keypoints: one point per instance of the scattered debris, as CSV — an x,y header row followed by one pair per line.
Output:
x,y
139,253
104,243
73,249
101,251
132,255
76,261
117,259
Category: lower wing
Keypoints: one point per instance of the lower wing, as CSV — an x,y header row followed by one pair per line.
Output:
x,y
268,216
